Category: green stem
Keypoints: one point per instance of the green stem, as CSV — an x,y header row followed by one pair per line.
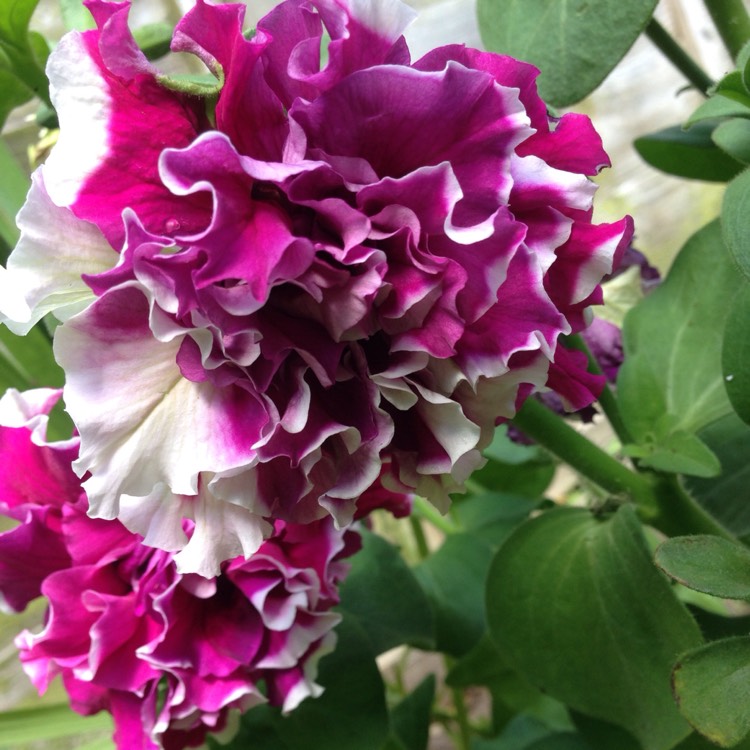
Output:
x,y
423,549
678,57
430,513
607,399
732,22
554,433
462,719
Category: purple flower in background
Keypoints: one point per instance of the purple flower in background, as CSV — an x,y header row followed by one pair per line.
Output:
x,y
168,654
344,264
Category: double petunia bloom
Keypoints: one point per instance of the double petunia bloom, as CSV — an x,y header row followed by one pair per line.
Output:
x,y
332,270
170,655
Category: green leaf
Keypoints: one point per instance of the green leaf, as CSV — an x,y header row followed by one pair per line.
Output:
x,y
29,358
410,719
707,563
671,382
688,153
560,741
350,715
386,598
733,136
602,734
735,354
13,93
154,39
678,452
725,497
577,606
14,21
712,687
734,213
47,722
492,516
15,185
575,44
453,578
718,106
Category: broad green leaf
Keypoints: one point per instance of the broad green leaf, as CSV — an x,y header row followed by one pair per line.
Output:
x,y
733,137
492,516
697,742
707,563
712,687
688,153
385,597
671,381
574,44
735,354
350,715
725,497
734,213
602,734
47,722
410,719
577,606
15,185
718,106
560,741
453,578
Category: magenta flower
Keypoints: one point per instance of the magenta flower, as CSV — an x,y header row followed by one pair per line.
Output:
x,y
343,264
169,655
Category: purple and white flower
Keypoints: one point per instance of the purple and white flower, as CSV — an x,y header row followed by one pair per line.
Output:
x,y
328,267
170,655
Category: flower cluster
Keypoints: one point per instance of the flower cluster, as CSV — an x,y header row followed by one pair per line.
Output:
x,y
168,654
331,264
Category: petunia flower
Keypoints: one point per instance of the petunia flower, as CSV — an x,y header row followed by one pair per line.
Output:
x,y
329,264
170,655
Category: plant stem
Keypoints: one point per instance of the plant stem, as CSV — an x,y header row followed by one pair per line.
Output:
x,y
607,399
551,431
678,57
423,549
430,513
732,22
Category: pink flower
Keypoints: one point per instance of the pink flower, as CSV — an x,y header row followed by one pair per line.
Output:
x,y
168,654
341,265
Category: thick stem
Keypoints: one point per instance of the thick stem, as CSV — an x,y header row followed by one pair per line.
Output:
x,y
732,22
678,57
607,399
551,431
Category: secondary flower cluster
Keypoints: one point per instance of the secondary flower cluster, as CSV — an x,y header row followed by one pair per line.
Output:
x,y
168,654
329,265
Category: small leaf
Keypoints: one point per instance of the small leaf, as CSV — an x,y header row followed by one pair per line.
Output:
x,y
733,137
718,106
735,355
383,594
577,606
29,725
712,687
574,44
688,153
707,563
678,452
453,578
725,497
